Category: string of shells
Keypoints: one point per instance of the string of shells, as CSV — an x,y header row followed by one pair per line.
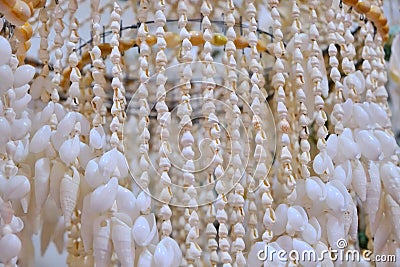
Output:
x,y
196,133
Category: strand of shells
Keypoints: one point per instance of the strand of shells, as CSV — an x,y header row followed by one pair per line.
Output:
x,y
67,158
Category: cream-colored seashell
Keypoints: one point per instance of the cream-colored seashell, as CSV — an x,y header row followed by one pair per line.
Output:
x,y
102,246
382,233
5,51
87,220
104,196
40,140
143,202
378,114
10,246
66,124
344,173
144,230
121,238
92,174
359,181
42,183
97,138
302,247
69,190
6,77
320,247
50,219
58,237
360,116
85,154
6,211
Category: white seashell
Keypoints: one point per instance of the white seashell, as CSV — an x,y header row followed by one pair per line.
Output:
x,y
85,124
334,198
143,202
5,50
85,154
382,233
40,140
126,202
378,114
20,127
107,163
368,144
253,254
347,111
167,253
285,242
87,220
21,151
23,75
144,230
302,247
69,150
122,164
10,246
373,192
47,112
16,224
320,247
21,91
297,218
332,145
315,189
344,173
21,104
68,195
42,183
394,210
6,78
359,181
58,237
145,258
104,196
121,238
390,175
281,214
387,141
56,174
92,174
97,138
14,188
335,230
66,125
102,246
360,116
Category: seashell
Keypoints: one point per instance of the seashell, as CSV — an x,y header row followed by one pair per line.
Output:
x,y
66,124
378,114
373,191
360,116
297,218
14,188
145,258
359,181
122,164
69,150
312,231
326,260
92,174
382,233
143,202
344,173
335,230
332,145
68,195
87,220
315,189
16,224
56,175
390,175
97,138
121,238
254,253
85,154
368,144
335,199
144,230
50,219
107,163
104,196
102,246
350,147
281,214
387,141
126,202
21,151
167,253
47,112
85,124
394,210
6,211
301,247
23,75
10,246
42,183
5,51
58,237
40,140
20,127
6,77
